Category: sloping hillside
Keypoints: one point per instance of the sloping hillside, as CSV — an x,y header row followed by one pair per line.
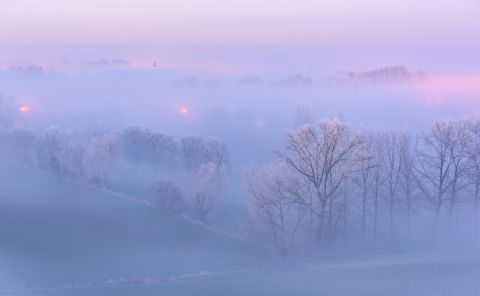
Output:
x,y
54,232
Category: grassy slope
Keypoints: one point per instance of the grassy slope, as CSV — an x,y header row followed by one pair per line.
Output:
x,y
52,231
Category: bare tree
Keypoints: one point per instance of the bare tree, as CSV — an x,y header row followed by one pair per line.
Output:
x,y
205,188
459,158
364,176
272,195
434,170
472,150
132,142
216,152
49,148
162,150
323,157
392,173
99,159
71,158
407,176
141,145
167,196
379,176
197,151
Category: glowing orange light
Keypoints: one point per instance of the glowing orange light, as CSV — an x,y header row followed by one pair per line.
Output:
x,y
24,109
183,111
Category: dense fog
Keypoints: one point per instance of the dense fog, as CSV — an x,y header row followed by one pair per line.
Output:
x,y
356,165
243,148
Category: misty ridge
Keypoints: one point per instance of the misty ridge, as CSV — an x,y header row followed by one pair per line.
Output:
x,y
139,177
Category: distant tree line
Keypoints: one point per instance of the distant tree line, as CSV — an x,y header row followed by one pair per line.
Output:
x,y
202,162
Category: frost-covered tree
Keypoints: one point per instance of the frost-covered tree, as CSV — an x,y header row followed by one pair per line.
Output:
x,y
60,153
205,187
132,141
99,159
324,157
166,195
364,176
459,157
197,151
472,150
162,150
408,188
71,158
273,194
216,152
192,151
435,164
379,177
392,174
49,148
141,145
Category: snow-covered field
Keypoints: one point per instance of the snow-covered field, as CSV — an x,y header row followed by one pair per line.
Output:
x,y
62,238
56,233
423,278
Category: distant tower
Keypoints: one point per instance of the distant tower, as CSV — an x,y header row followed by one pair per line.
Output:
x,y
154,64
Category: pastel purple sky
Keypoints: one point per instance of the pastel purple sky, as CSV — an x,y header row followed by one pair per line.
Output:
x,y
247,35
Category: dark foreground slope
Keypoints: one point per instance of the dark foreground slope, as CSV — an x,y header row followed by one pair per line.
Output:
x,y
54,232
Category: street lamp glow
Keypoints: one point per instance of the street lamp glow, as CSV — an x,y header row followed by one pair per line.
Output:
x,y
184,111
24,109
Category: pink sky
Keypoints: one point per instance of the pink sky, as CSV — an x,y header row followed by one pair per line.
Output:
x,y
387,31
447,88
112,22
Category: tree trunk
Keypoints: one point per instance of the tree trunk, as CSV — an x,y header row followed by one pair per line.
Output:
x,y
330,230
375,217
391,217
344,214
311,231
435,223
364,214
321,223
409,211
476,228
452,207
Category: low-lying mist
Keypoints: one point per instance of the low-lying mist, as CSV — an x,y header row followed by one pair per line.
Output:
x,y
115,175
